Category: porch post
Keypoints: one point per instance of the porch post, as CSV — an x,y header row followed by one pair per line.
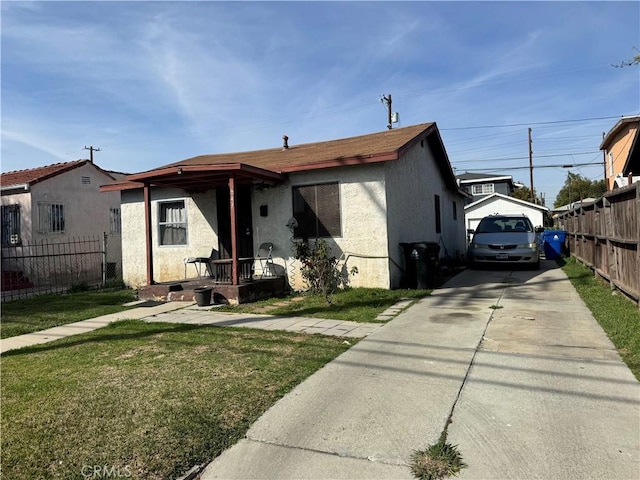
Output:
x,y
234,231
147,226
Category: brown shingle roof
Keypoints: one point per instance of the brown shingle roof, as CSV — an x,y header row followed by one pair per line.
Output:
x,y
301,157
206,171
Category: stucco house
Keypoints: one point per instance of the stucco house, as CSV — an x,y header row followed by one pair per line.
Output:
x,y
480,185
56,204
364,194
622,152
503,204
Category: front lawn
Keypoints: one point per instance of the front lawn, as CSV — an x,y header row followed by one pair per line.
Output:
x,y
147,400
352,304
38,313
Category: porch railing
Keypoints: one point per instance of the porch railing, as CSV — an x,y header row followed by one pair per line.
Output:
x,y
221,270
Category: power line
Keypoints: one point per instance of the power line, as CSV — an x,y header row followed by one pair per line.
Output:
x,y
530,123
559,165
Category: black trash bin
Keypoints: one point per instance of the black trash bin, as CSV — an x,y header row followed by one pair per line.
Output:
x,y
421,262
203,296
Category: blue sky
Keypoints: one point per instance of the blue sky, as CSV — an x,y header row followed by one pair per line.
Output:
x,y
151,83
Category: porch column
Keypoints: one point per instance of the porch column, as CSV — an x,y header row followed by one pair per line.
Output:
x,y
147,226
234,231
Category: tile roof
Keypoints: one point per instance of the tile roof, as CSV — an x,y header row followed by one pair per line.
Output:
x,y
35,175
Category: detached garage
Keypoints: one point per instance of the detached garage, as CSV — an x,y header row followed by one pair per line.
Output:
x,y
503,204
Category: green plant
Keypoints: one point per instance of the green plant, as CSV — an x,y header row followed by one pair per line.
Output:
x,y
320,268
437,461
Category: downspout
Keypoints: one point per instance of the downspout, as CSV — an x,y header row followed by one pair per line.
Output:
x,y
234,231
147,226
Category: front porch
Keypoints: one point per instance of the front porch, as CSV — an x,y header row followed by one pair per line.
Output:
x,y
243,292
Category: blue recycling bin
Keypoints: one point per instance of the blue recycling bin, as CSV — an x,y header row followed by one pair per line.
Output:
x,y
553,242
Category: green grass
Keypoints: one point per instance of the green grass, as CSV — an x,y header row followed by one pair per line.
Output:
x,y
150,400
619,317
46,311
353,304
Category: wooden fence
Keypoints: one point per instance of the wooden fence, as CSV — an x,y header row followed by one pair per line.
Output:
x,y
605,235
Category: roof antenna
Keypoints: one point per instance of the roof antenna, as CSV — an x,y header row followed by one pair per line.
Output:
x,y
285,145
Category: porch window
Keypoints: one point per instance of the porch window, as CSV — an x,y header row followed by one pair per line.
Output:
x,y
50,218
482,189
317,210
10,225
172,222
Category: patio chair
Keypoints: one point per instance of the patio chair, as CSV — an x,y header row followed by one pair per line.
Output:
x,y
264,256
198,262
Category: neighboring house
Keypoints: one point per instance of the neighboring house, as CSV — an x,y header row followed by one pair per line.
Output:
x,y
503,204
481,185
622,152
364,194
57,204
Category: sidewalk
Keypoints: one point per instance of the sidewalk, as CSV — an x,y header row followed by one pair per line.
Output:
x,y
55,333
189,313
536,389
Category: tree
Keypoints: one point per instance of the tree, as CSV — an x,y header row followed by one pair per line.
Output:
x,y
628,63
524,193
576,188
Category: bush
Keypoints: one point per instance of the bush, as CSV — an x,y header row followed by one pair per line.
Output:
x,y
320,268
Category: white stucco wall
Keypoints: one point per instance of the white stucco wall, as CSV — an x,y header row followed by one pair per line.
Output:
x,y
168,262
412,183
363,221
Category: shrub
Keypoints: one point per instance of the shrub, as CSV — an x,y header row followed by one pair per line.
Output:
x,y
320,268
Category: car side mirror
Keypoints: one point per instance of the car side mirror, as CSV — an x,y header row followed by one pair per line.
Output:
x,y
539,229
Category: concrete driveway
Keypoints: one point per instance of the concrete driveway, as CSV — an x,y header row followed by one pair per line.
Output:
x,y
534,388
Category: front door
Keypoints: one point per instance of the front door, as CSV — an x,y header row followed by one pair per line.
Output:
x,y
245,225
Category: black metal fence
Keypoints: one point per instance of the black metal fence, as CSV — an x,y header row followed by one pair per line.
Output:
x,y
56,267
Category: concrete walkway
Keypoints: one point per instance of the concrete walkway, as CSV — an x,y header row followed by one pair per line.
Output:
x,y
55,333
190,313
535,389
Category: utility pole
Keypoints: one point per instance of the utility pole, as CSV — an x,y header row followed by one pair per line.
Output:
x,y
387,100
533,195
604,164
91,149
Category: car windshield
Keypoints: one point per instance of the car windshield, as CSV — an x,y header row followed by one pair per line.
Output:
x,y
504,224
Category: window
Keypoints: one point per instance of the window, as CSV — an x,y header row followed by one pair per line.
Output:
x,y
10,225
114,221
317,210
172,222
482,189
436,201
50,218
455,210
86,180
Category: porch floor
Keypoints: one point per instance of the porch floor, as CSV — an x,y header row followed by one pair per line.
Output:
x,y
183,290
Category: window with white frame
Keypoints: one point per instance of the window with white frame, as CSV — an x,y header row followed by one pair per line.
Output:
x,y
50,217
172,222
482,189
114,221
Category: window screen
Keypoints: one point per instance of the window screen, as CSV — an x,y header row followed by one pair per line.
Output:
x,y
317,210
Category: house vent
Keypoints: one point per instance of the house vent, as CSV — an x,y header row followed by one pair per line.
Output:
x,y
86,180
